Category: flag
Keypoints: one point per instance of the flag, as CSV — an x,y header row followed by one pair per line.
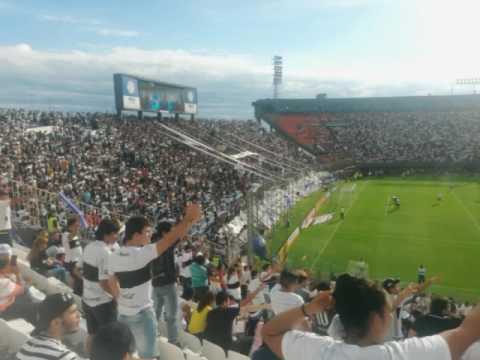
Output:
x,y
68,202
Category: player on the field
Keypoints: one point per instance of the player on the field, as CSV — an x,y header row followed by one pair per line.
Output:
x,y
342,213
421,274
439,197
396,201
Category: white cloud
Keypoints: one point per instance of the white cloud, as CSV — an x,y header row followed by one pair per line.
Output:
x,y
90,25
117,32
67,19
227,84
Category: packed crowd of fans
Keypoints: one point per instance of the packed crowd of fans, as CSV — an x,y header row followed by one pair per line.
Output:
x,y
153,277
130,166
408,136
158,273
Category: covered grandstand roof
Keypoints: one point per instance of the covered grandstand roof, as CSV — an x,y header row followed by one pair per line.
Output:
x,y
371,104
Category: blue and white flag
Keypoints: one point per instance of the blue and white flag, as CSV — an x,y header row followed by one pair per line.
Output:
x,y
69,203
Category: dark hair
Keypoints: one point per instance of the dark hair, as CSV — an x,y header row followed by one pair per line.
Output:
x,y
205,300
355,301
438,306
221,297
72,220
106,227
322,286
254,274
230,271
301,276
162,228
288,278
199,259
135,225
112,342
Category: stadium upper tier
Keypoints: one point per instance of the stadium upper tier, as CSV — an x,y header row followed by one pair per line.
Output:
x,y
423,129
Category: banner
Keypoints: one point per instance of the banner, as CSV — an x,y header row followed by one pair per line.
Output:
x,y
283,252
309,219
69,203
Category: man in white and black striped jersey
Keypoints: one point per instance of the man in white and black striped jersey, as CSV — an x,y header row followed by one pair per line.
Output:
x,y
58,316
97,300
130,269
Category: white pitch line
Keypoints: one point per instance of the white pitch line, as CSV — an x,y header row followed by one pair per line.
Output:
x,y
320,253
468,212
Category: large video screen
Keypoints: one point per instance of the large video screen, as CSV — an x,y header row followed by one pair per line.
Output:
x,y
138,94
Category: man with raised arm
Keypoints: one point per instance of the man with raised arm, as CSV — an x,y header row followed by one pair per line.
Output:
x,y
130,272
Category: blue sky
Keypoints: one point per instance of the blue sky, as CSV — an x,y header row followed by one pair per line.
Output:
x,y
63,53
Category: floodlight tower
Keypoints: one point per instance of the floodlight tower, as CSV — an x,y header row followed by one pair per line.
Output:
x,y
277,75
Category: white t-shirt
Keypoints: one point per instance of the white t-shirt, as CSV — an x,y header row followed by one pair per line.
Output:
x,y
235,292
473,352
308,346
73,249
246,277
131,266
185,270
283,301
95,268
5,215
259,299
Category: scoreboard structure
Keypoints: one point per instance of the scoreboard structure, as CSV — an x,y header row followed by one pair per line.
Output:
x,y
133,93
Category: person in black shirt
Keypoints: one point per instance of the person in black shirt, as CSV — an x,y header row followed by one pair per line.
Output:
x,y
437,320
164,281
220,320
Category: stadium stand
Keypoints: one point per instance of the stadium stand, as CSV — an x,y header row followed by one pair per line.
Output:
x,y
109,166
432,129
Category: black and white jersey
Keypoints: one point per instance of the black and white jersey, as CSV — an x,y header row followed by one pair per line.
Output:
x,y
45,348
322,321
131,266
95,267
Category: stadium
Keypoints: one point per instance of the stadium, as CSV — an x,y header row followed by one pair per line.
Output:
x,y
338,221
374,168
313,186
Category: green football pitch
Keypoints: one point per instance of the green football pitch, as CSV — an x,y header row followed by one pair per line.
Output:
x,y
443,235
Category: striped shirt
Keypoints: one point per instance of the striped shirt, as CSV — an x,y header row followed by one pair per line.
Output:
x,y
44,347
95,269
131,266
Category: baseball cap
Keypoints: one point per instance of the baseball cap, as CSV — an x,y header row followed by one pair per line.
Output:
x,y
390,282
5,250
51,308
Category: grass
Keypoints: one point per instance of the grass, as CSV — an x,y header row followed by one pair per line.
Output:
x,y
442,235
